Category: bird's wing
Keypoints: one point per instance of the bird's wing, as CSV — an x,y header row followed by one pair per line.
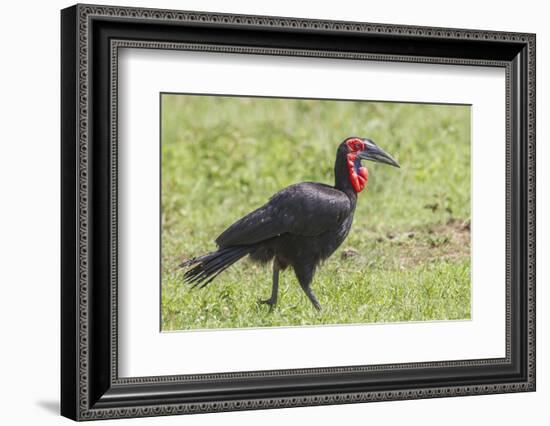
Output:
x,y
306,209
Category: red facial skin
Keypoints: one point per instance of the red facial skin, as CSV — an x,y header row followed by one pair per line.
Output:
x,y
358,179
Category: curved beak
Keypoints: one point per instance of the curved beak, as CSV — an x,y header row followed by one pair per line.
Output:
x,y
375,153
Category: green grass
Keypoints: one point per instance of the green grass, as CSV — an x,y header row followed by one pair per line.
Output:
x,y
407,257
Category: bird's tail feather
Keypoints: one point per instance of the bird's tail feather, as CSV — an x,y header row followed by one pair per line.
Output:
x,y
209,266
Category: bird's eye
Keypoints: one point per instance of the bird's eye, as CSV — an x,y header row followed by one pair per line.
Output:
x,y
355,145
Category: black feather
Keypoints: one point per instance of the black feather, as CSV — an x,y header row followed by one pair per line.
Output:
x,y
209,266
305,209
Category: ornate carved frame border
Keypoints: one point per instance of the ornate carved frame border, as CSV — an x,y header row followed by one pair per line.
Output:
x,y
91,388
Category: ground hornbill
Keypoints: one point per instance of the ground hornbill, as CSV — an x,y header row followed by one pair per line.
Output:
x,y
299,226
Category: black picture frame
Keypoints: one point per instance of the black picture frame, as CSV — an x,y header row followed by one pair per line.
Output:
x,y
90,386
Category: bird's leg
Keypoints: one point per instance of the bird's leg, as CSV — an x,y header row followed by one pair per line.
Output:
x,y
305,276
272,301
312,297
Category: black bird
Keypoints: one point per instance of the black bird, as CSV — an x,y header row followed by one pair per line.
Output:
x,y
299,226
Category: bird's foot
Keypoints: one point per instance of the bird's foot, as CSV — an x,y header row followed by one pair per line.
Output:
x,y
271,302
316,305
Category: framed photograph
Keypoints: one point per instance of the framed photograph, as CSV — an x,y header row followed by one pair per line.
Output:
x,y
263,212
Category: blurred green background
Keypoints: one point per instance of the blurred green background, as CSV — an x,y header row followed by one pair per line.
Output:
x,y
407,257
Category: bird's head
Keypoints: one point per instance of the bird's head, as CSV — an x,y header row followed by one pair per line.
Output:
x,y
356,149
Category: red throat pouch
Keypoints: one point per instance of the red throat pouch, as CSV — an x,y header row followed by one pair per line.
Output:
x,y
358,175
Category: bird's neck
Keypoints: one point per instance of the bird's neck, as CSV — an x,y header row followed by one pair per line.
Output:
x,y
349,176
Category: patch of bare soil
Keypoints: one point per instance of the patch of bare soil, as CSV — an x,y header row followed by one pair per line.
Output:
x,y
450,241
